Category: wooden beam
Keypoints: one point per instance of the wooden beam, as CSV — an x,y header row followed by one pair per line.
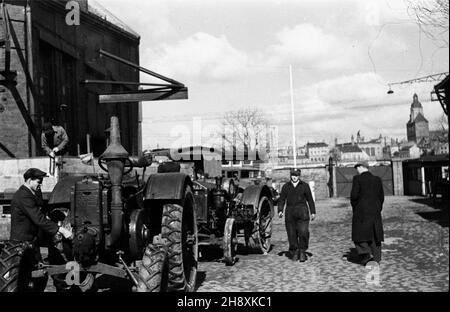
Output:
x,y
143,96
24,112
7,151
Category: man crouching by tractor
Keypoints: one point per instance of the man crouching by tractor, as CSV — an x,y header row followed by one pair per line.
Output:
x,y
26,215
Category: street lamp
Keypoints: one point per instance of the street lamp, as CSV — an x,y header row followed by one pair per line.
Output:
x,y
390,90
429,78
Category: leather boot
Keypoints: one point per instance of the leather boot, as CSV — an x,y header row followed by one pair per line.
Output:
x,y
295,256
303,257
364,259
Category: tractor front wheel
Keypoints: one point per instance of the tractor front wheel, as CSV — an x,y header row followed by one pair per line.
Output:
x,y
154,269
230,242
261,231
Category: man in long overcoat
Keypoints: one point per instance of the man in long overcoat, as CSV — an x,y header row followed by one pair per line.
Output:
x,y
367,199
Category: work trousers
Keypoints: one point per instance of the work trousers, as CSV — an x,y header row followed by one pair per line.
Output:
x,y
369,248
297,233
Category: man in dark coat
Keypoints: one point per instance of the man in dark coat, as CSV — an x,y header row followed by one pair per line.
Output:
x,y
26,215
297,196
367,199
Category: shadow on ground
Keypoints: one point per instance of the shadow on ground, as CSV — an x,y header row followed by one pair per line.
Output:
x,y
287,254
201,276
440,214
214,253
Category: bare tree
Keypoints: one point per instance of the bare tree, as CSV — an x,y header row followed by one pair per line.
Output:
x,y
442,121
335,154
432,16
441,125
244,127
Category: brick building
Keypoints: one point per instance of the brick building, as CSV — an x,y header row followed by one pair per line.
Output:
x,y
53,63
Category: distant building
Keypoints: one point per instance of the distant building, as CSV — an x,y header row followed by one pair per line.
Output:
x,y
394,149
373,148
410,151
442,149
286,156
387,152
318,152
351,152
302,151
439,142
417,126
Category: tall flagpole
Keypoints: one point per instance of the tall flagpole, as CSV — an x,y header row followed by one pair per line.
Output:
x,y
294,146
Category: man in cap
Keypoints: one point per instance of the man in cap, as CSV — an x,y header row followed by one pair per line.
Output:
x,y
367,199
26,215
54,139
297,196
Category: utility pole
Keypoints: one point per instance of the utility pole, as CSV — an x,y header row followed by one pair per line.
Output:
x,y
294,146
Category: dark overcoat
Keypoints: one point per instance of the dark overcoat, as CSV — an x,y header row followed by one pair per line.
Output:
x,y
27,217
367,199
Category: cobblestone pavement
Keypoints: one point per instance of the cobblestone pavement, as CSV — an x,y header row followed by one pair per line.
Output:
x,y
415,255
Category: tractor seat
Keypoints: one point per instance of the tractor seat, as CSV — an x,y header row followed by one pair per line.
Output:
x,y
140,161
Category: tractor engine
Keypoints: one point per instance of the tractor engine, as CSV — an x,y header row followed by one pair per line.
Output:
x,y
220,203
89,218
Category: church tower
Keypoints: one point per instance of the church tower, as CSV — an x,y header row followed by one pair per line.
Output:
x,y
417,126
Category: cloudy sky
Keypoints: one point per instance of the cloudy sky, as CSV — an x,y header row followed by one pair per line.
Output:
x,y
236,54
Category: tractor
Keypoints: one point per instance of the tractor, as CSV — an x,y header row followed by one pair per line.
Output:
x,y
145,233
224,209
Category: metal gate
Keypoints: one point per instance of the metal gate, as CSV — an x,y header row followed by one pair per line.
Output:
x,y
344,178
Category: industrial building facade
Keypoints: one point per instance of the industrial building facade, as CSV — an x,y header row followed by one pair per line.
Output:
x,y
48,70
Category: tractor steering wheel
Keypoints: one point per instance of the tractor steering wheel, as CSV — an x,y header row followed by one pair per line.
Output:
x,y
101,163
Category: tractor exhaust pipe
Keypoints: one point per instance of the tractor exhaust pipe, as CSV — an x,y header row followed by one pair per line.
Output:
x,y
115,156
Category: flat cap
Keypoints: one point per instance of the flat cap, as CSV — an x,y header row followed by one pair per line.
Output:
x,y
34,173
296,172
362,163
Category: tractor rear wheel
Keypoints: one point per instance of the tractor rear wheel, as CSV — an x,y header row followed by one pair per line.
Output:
x,y
262,227
154,269
179,229
17,261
